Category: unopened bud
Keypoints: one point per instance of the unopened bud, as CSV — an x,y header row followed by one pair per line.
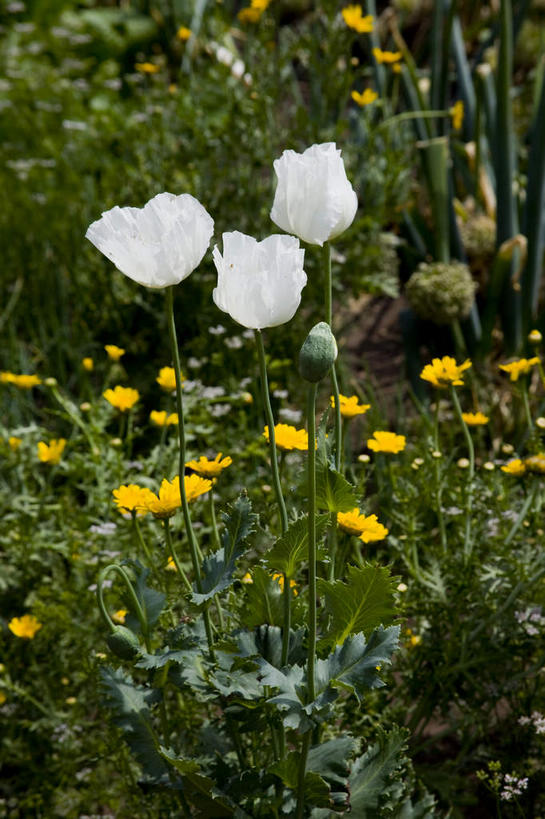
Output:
x,y
318,353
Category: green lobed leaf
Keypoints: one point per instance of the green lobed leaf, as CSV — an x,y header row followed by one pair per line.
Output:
x,y
364,602
353,665
266,641
371,772
292,547
316,788
129,703
333,492
218,568
199,789
263,601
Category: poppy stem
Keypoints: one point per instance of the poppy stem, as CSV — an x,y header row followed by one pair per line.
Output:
x,y
471,472
326,258
277,485
193,548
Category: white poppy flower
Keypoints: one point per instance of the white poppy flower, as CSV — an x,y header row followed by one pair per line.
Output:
x,y
314,199
259,283
158,245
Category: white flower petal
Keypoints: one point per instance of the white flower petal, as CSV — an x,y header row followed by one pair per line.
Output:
x,y
259,283
158,245
314,199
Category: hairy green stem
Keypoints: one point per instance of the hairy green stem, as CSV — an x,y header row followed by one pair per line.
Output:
x,y
181,439
141,541
311,424
326,257
276,483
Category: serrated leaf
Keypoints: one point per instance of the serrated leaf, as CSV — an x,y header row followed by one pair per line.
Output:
x,y
218,568
292,547
354,664
263,601
266,641
316,789
199,789
152,662
331,759
370,773
129,703
364,602
333,492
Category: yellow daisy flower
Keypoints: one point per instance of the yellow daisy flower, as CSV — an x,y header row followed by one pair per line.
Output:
x,y
520,367
350,406
387,57
122,398
210,469
515,467
444,371
167,378
14,443
165,504
367,528
132,498
288,437
475,419
366,98
114,352
88,364
25,626
386,442
354,19
183,33
171,565
247,578
119,616
51,453
163,419
535,337
249,15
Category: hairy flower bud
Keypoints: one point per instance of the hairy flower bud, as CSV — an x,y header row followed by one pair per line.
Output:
x,y
441,292
318,353
123,643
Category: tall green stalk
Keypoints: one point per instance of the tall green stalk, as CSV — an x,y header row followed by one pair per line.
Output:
x,y
276,483
326,256
311,657
181,439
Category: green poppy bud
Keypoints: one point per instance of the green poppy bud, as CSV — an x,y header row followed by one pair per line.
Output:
x,y
318,353
123,643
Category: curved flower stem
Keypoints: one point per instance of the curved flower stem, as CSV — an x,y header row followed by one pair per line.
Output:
x,y
172,550
277,485
140,613
181,439
326,257
469,490
311,424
